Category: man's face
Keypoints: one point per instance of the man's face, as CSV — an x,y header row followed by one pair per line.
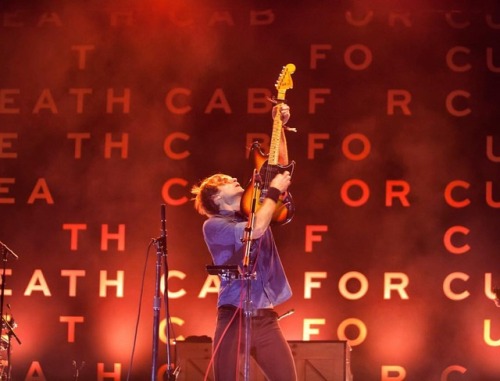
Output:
x,y
229,190
230,186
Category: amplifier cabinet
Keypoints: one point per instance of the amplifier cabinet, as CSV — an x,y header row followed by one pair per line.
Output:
x,y
314,360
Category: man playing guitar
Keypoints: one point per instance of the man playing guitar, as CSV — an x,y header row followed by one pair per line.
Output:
x,y
219,198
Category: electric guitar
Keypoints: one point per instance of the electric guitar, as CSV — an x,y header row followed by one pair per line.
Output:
x,y
267,166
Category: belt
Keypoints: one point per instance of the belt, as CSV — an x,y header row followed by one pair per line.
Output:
x,y
257,313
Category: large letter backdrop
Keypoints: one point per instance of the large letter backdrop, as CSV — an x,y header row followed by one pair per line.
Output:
x,y
109,109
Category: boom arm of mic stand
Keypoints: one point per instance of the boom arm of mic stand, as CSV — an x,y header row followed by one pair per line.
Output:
x,y
10,330
6,248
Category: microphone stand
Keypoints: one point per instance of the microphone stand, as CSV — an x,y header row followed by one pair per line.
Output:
x,y
161,259
5,251
248,276
4,323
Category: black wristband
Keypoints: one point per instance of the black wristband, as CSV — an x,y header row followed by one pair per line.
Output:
x,y
273,193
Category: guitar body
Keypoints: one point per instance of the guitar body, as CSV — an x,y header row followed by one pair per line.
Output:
x,y
285,207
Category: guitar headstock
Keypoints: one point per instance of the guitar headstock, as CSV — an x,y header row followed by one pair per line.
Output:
x,y
284,81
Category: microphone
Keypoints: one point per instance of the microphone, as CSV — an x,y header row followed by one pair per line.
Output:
x,y
257,179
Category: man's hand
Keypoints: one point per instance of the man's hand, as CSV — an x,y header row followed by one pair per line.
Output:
x,y
281,181
284,112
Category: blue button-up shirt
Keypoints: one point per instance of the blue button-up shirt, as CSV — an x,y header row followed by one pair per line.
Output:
x,y
223,235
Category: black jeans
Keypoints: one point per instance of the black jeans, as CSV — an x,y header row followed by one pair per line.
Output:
x,y
269,347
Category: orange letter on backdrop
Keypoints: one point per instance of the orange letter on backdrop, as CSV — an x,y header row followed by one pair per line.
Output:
x,y
365,62
72,275
45,101
315,53
314,98
307,329
398,98
123,99
167,146
166,190
401,194
487,335
74,228
37,283
448,194
451,369
450,59
312,146
35,372
120,144
344,192
81,51
218,101
115,374
490,151
41,191
175,93
399,287
6,101
489,196
450,246
347,293
365,151
392,373
447,286
78,137
342,328
119,237
5,144
311,237
118,282
79,93
5,190
309,284
71,320
449,103
258,102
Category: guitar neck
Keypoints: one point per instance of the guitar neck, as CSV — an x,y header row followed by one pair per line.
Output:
x,y
274,148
